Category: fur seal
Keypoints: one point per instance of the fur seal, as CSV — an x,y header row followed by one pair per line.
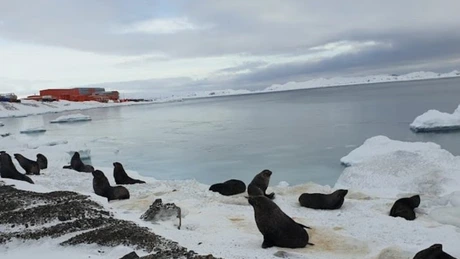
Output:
x,y
433,252
42,161
121,177
259,184
101,187
30,166
228,188
8,170
404,207
77,165
277,228
321,201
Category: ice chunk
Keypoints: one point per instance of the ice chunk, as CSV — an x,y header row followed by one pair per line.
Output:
x,y
446,215
33,130
71,118
387,167
1,124
434,120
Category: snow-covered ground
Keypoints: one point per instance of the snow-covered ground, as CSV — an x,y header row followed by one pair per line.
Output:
x,y
27,107
434,120
71,118
379,171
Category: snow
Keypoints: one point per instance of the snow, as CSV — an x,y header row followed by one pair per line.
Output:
x,y
33,130
379,171
434,120
30,107
71,118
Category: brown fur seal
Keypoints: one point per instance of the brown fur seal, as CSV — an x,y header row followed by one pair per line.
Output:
x,y
277,228
404,207
121,177
42,161
101,187
77,165
30,166
321,201
8,170
433,252
259,184
230,187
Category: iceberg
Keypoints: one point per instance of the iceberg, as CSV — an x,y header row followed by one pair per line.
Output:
x,y
33,130
434,120
71,118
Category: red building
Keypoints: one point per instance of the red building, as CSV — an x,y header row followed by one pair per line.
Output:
x,y
80,94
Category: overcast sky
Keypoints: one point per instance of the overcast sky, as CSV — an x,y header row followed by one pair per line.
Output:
x,y
170,46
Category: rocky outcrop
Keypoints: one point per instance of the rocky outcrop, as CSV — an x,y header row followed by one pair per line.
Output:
x,y
29,215
159,211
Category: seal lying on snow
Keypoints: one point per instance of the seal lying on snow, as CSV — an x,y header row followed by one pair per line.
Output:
x,y
30,166
42,161
259,184
277,228
230,187
8,170
404,207
321,201
433,252
121,177
101,187
77,165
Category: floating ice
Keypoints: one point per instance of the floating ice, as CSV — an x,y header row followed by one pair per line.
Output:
x,y
434,120
33,130
71,118
1,124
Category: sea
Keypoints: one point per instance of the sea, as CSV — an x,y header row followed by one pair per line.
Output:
x,y
299,135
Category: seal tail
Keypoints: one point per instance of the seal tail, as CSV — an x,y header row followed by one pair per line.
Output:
x,y
310,244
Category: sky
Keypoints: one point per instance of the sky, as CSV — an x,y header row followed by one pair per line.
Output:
x,y
168,46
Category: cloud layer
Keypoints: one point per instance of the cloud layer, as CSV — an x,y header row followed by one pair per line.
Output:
x,y
222,44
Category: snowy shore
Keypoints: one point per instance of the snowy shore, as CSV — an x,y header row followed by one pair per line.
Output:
x,y
26,107
434,120
380,171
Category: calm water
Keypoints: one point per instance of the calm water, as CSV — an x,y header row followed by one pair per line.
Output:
x,y
299,135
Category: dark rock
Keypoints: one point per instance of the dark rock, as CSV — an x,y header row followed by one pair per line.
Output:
x,y
73,213
131,255
159,211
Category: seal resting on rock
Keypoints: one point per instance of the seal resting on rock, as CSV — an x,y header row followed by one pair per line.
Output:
x,y
277,228
230,187
259,184
30,166
42,161
101,187
404,207
8,170
77,165
121,177
433,252
322,201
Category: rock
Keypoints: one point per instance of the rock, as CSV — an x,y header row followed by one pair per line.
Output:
x,y
159,211
58,214
131,255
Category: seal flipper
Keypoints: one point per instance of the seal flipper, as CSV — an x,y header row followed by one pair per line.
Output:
x,y
271,196
67,167
303,226
267,243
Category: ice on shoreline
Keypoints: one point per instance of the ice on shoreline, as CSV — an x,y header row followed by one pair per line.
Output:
x,y
33,130
76,117
434,120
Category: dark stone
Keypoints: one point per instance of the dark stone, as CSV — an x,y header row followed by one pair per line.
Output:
x,y
159,211
131,255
